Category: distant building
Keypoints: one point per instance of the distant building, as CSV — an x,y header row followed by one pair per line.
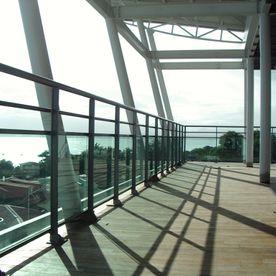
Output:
x,y
20,192
30,169
11,215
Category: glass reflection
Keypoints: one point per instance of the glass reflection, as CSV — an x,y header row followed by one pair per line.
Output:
x,y
24,185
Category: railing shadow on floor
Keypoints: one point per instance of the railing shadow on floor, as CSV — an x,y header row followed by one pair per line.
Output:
x,y
144,262
83,245
28,261
273,184
81,235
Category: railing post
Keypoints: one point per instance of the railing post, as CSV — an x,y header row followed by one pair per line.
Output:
x,y
172,147
181,144
162,147
168,148
175,145
55,238
185,142
216,144
178,144
116,200
147,151
156,155
91,141
134,154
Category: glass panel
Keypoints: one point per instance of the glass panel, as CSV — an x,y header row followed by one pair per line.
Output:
x,y
105,111
151,121
104,167
151,155
140,159
123,115
66,99
159,141
79,153
16,118
72,175
125,162
74,124
141,118
273,146
230,147
201,149
151,131
201,132
25,187
16,90
104,127
126,129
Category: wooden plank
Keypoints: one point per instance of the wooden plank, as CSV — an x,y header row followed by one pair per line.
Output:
x,y
208,221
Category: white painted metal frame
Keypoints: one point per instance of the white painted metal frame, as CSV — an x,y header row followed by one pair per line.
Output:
x,y
153,80
265,108
40,63
250,112
234,17
160,77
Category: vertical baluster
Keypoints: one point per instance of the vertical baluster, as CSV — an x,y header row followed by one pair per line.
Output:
x,y
134,154
116,200
90,173
147,151
55,238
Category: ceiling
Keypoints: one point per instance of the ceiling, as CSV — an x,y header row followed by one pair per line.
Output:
x,y
233,21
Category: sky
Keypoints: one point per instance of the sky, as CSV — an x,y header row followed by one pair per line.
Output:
x,y
81,56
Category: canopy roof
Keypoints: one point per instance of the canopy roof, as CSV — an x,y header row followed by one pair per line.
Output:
x,y
234,21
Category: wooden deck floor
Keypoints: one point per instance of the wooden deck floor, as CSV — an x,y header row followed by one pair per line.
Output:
x,y
199,220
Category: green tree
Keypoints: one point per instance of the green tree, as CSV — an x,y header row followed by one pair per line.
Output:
x,y
273,148
45,163
230,146
256,146
6,168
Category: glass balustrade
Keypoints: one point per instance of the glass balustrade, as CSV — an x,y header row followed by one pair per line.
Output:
x,y
58,160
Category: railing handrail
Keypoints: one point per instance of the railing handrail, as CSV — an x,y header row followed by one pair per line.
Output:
x,y
54,84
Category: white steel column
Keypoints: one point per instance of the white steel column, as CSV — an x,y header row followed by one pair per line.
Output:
x,y
33,28
245,90
154,84
250,113
265,108
161,80
245,106
120,65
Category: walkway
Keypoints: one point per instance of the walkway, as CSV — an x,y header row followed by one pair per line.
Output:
x,y
199,220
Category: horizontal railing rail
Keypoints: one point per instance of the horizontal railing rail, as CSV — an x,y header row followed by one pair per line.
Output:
x,y
76,159
222,143
81,163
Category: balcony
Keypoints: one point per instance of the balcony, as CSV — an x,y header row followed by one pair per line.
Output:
x,y
202,219
158,213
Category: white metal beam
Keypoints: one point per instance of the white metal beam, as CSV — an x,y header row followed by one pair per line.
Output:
x,y
265,99
251,29
154,84
37,48
107,12
101,7
129,36
198,54
144,11
120,65
161,80
200,65
250,113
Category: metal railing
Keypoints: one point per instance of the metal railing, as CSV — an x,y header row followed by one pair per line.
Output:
x,y
91,156
115,155
222,143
